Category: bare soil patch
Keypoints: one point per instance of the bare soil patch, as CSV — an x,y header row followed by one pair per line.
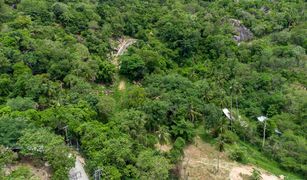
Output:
x,y
39,171
163,147
200,162
122,85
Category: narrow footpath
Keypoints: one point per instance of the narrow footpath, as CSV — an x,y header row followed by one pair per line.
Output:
x,y
124,44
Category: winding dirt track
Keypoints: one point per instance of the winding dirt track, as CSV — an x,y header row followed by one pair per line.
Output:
x,y
123,46
124,43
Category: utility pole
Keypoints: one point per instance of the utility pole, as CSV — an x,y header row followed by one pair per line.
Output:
x,y
237,107
97,174
218,162
66,134
78,146
264,128
231,118
263,119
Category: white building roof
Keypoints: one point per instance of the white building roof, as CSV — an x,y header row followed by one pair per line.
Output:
x,y
262,118
227,114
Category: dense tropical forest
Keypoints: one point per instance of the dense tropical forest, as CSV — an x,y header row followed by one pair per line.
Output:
x,y
190,59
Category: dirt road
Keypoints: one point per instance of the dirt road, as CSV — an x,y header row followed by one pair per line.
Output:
x,y
124,43
78,172
122,47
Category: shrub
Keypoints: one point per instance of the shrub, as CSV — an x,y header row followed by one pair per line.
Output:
x,y
256,175
230,137
179,143
21,104
176,151
22,172
238,154
133,67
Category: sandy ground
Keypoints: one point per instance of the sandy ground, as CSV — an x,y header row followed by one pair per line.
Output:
x,y
163,147
78,172
122,85
200,162
235,173
41,173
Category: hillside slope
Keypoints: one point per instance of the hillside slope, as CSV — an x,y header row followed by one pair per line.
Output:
x,y
200,161
131,83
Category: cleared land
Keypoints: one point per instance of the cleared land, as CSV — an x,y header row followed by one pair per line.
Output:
x,y
201,160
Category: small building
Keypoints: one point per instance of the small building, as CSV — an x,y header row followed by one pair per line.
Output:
x,y
228,114
262,118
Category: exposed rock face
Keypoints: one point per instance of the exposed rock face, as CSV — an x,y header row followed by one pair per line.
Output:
x,y
243,33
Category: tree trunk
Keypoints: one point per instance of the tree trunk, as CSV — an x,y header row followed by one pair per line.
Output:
x,y
218,162
264,128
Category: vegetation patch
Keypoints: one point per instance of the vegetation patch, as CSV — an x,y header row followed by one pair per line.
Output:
x,y
114,78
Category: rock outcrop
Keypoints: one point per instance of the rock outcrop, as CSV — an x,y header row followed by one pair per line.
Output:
x,y
242,32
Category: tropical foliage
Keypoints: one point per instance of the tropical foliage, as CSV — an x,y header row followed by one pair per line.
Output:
x,y
58,82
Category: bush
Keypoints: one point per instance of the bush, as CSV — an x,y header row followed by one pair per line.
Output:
x,y
22,172
238,154
184,129
256,175
176,151
105,107
175,155
281,38
106,72
11,130
230,137
6,156
150,140
179,143
21,104
42,144
133,67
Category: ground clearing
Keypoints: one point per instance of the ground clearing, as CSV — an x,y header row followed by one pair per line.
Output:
x,y
200,162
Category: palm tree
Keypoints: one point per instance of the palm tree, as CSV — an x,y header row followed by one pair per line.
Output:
x,y
163,135
193,114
